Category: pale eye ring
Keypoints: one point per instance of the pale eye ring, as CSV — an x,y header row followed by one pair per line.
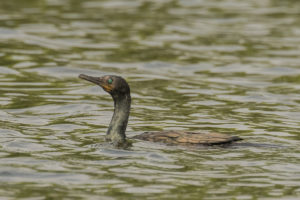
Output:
x,y
109,81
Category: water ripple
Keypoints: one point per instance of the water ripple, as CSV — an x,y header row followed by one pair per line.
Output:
x,y
213,66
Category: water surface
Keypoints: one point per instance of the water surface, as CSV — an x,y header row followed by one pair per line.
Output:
x,y
217,66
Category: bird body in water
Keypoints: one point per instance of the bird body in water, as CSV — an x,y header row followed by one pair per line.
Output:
x,y
119,89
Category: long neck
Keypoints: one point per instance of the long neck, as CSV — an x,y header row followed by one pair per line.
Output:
x,y
118,124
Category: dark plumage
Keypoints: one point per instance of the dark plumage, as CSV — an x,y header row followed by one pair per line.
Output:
x,y
187,138
119,89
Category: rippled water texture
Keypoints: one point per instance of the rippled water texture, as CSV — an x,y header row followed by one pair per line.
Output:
x,y
225,66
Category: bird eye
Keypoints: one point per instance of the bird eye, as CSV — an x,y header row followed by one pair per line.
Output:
x,y
109,81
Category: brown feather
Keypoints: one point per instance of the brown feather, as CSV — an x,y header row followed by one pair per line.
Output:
x,y
187,138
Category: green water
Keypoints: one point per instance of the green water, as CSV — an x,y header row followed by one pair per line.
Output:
x,y
226,66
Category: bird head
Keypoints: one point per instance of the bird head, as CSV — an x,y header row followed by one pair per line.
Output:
x,y
114,85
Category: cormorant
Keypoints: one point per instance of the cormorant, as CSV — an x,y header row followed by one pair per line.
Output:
x,y
119,89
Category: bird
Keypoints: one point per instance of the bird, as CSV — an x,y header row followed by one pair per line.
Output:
x,y
119,90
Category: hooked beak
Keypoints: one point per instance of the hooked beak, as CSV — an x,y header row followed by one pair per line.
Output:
x,y
96,80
